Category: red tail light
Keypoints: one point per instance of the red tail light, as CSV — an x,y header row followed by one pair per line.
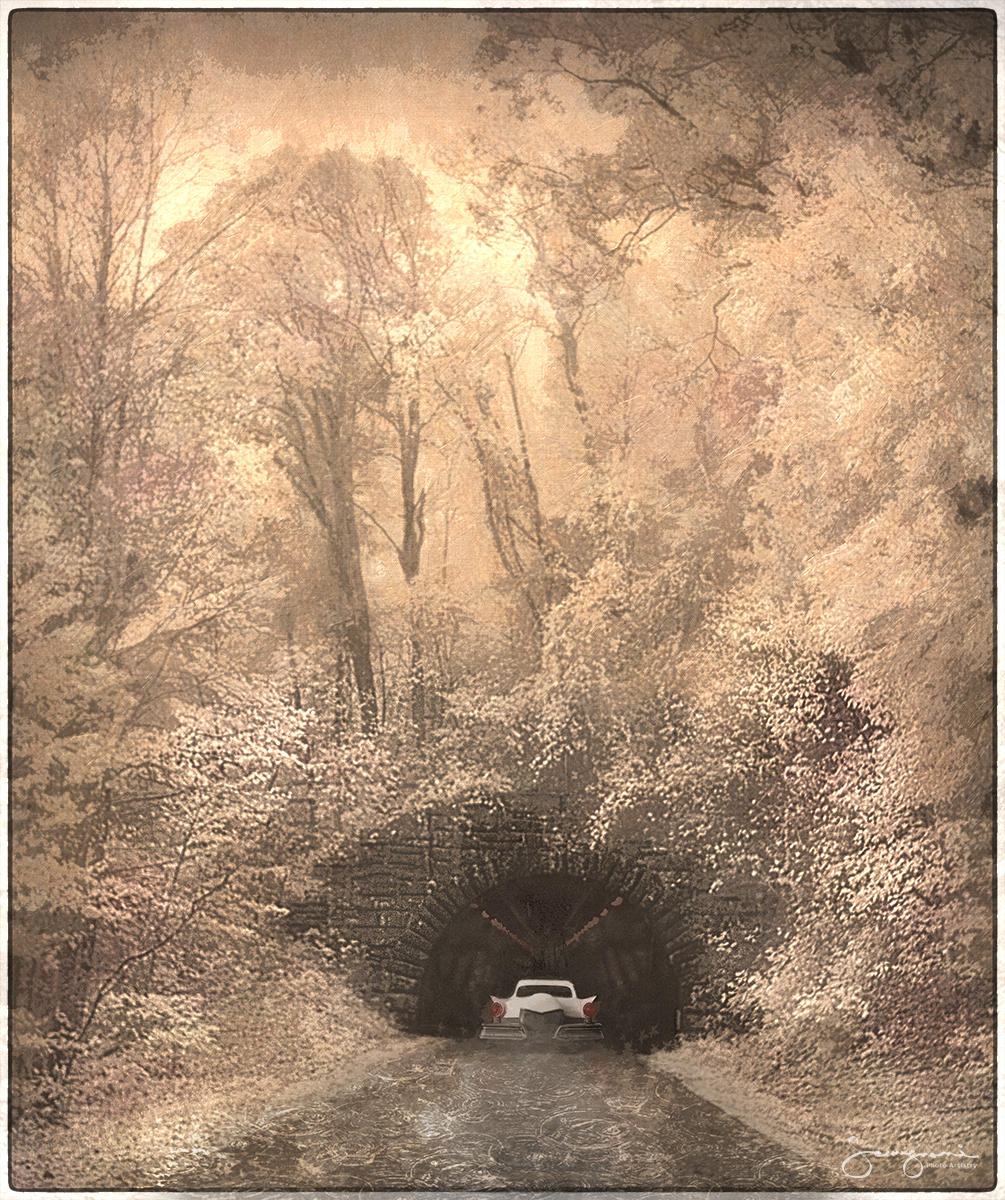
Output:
x,y
497,1010
589,1010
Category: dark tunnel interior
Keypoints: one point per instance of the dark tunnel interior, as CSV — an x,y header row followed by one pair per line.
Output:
x,y
552,925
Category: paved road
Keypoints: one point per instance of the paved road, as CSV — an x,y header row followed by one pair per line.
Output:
x,y
471,1117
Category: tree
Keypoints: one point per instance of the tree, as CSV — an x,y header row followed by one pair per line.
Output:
x,y
347,273
829,474
708,107
132,555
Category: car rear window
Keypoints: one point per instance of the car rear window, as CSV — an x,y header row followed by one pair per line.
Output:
x,y
547,989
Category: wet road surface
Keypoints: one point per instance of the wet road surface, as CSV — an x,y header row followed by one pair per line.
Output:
x,y
472,1117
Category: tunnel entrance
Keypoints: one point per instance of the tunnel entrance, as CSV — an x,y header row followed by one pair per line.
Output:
x,y
553,924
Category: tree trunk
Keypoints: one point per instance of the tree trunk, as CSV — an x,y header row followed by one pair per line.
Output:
x,y
417,686
321,436
410,552
357,640
355,625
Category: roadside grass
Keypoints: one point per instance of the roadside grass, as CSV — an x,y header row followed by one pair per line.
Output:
x,y
885,1102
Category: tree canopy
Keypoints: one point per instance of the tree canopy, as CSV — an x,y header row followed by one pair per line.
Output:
x,y
631,426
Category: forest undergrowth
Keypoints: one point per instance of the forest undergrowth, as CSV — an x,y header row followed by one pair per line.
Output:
x,y
275,1032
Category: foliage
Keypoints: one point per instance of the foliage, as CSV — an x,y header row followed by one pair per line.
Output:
x,y
654,468
251,1038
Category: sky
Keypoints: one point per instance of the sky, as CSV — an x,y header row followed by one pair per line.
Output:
x,y
405,83
392,82
401,83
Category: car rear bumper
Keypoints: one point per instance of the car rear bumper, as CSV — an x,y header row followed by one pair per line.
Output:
x,y
576,1031
570,1031
503,1033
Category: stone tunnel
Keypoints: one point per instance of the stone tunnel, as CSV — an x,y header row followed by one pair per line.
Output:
x,y
453,905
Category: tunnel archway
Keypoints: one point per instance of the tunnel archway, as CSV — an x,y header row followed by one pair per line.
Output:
x,y
603,936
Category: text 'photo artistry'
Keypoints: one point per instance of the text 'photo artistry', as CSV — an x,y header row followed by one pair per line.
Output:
x,y
502,609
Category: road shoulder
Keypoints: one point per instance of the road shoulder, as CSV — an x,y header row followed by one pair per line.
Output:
x,y
825,1119
709,1076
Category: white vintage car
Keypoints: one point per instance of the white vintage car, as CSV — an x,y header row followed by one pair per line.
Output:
x,y
543,1010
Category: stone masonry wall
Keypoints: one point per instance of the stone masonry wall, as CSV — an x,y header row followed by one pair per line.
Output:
x,y
404,882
